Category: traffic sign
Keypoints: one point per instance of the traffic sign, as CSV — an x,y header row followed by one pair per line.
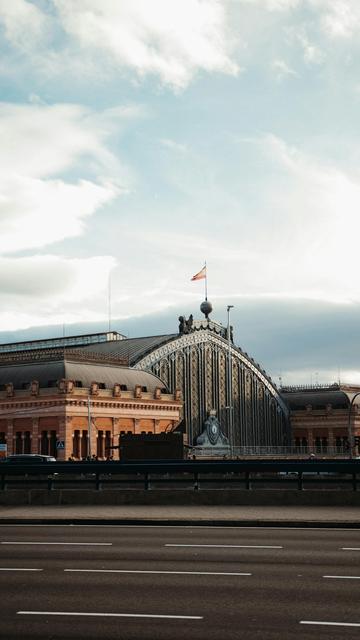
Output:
x,y
60,444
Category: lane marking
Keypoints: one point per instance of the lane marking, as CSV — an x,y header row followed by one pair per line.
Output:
x,y
190,573
17,569
350,548
331,624
107,615
86,544
227,546
344,577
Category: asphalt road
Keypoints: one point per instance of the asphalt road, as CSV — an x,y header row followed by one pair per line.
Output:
x,y
167,583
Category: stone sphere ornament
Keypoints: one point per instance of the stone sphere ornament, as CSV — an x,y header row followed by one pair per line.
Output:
x,y
206,308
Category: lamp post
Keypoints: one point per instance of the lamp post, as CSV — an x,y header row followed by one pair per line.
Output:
x,y
350,435
231,434
89,429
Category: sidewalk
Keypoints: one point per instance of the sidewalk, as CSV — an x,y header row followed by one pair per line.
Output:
x,y
287,516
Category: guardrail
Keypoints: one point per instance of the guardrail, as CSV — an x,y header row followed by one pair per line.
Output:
x,y
194,474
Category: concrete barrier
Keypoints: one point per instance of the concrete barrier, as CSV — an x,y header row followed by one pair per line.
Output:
x,y
177,497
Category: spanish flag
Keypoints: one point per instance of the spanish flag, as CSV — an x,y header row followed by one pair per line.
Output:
x,y
201,275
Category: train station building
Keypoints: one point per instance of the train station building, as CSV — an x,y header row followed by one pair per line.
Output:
x,y
148,384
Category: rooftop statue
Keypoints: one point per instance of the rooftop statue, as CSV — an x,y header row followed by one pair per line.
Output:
x,y
212,436
186,326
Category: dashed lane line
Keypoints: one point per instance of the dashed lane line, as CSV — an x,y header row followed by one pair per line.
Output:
x,y
190,573
107,615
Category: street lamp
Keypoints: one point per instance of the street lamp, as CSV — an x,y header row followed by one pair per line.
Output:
x,y
231,434
350,436
89,430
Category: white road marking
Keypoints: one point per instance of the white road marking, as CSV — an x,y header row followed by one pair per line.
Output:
x,y
190,573
17,569
86,544
226,546
350,548
107,615
331,624
344,577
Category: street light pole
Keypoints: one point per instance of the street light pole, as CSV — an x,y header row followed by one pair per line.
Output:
x,y
89,430
350,435
231,434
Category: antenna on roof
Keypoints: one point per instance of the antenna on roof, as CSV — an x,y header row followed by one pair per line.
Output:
x,y
109,300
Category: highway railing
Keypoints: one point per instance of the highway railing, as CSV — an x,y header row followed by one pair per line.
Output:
x,y
224,474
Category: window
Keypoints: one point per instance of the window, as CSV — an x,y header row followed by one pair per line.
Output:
x,y
101,385
52,383
144,389
123,387
78,383
25,385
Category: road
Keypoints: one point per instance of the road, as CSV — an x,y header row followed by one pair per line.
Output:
x,y
167,583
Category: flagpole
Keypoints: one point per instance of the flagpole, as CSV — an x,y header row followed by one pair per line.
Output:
x,y
205,281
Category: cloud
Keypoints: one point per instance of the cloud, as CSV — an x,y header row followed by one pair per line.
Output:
x,y
338,18
282,70
42,288
23,22
55,172
171,40
39,145
174,146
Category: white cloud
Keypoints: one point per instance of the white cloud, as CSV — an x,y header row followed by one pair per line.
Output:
x,y
171,40
174,146
282,70
338,18
42,289
23,22
39,143
55,172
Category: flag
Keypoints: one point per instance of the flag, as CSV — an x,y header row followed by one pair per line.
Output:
x,y
201,275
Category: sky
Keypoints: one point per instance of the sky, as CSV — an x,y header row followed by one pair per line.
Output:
x,y
140,138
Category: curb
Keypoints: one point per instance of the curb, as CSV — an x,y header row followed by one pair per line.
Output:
x,y
180,522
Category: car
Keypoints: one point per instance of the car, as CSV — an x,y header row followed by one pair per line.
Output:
x,y
28,458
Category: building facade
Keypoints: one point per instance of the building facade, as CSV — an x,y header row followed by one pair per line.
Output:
x,y
76,405
213,374
324,419
200,363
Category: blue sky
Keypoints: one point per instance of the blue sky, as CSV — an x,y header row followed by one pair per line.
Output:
x,y
139,138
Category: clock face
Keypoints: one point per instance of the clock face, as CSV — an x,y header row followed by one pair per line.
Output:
x,y
213,431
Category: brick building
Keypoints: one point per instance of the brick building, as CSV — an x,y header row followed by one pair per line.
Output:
x,y
324,419
64,402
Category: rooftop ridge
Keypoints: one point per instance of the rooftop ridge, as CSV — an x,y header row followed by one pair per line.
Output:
x,y
60,353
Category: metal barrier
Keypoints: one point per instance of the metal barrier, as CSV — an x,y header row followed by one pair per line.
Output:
x,y
217,474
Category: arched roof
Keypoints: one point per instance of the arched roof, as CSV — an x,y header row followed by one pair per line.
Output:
x,y
317,399
132,349
86,372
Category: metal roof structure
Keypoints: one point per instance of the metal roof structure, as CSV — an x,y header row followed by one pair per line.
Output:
x,y
130,349
48,373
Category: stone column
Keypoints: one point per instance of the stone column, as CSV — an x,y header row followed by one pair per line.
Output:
x,y
93,437
10,436
35,436
80,444
311,441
